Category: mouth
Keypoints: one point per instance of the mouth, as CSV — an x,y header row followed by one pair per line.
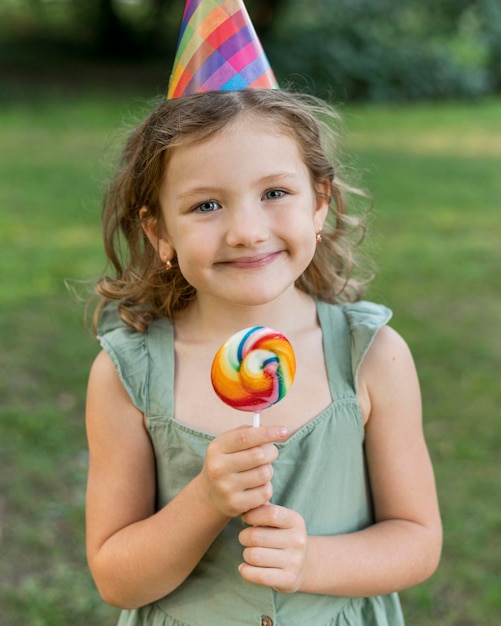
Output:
x,y
252,261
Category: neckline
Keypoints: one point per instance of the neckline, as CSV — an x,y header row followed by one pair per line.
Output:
x,y
335,338
328,412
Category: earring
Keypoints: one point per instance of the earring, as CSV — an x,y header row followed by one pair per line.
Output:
x,y
168,264
318,237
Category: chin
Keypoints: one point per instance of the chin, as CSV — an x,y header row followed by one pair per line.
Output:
x,y
254,298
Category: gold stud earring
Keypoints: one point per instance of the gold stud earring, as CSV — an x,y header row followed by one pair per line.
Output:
x,y
318,237
168,264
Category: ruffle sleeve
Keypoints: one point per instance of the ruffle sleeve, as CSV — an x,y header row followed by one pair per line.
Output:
x,y
128,351
364,320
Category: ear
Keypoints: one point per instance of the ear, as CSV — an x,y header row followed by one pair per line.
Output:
x,y
322,200
155,231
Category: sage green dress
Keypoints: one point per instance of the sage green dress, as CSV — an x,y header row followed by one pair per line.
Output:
x,y
321,473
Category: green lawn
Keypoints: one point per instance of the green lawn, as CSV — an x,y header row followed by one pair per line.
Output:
x,y
435,176
434,172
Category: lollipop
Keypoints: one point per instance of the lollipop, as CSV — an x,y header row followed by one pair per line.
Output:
x,y
253,369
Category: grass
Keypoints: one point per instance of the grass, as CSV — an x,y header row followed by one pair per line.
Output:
x,y
434,172
434,175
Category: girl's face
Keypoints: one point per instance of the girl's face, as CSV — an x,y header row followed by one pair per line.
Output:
x,y
241,214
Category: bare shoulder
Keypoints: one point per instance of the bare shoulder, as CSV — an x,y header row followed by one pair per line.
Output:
x,y
103,373
387,373
110,413
388,347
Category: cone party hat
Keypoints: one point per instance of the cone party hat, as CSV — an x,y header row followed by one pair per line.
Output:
x,y
218,50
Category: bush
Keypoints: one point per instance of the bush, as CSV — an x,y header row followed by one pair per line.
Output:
x,y
382,50
490,18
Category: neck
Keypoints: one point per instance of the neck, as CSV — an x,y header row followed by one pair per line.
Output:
x,y
209,319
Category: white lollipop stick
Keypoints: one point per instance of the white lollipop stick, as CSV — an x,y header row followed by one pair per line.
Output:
x,y
256,417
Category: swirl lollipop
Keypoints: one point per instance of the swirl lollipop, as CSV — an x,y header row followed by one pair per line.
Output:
x,y
253,369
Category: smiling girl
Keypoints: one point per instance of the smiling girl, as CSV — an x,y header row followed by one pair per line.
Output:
x,y
229,212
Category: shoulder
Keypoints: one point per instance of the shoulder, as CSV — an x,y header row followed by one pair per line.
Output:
x,y
105,382
382,363
132,354
366,314
115,336
387,375
113,329
362,322
387,354
103,372
364,319
110,411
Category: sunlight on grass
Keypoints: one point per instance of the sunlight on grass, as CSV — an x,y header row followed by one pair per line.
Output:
x,y
468,130
469,144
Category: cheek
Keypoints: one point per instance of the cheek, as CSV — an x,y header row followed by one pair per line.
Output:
x,y
189,267
304,225
179,236
302,239
308,234
194,252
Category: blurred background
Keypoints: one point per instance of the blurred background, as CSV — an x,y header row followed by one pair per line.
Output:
x,y
363,50
418,84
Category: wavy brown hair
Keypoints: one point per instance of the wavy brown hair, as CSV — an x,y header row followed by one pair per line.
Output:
x,y
140,286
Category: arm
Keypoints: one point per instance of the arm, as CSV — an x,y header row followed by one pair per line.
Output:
x,y
403,547
137,555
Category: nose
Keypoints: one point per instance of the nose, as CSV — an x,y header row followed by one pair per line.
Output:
x,y
246,226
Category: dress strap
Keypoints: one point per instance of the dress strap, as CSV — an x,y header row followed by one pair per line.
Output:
x,y
160,342
144,361
337,349
348,331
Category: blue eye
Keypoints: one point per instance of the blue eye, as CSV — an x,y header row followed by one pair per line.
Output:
x,y
274,194
207,207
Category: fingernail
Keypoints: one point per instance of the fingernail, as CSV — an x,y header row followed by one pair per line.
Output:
x,y
282,431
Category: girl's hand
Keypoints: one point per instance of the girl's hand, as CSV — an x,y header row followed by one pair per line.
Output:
x,y
276,545
237,471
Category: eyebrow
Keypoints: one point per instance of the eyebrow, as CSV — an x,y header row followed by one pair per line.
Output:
x,y
265,180
198,191
279,176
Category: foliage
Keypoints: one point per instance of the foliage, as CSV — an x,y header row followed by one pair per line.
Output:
x,y
375,50
382,50
490,15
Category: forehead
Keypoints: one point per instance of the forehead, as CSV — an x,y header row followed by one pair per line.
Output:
x,y
246,119
242,137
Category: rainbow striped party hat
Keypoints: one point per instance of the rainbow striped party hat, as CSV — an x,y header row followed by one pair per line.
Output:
x,y
218,50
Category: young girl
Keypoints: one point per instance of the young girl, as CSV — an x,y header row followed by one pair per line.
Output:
x,y
228,212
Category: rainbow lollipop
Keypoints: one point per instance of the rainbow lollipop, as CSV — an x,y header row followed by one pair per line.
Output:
x,y
253,369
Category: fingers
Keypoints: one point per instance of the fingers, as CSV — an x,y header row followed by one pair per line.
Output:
x,y
243,449
238,468
239,461
265,521
271,515
247,437
275,553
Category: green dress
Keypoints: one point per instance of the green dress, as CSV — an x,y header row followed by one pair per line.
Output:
x,y
321,473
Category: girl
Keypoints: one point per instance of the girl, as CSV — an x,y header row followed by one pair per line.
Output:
x,y
232,213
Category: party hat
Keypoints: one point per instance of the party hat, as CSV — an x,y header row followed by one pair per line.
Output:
x,y
218,50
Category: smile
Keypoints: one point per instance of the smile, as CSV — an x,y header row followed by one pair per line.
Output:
x,y
251,262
